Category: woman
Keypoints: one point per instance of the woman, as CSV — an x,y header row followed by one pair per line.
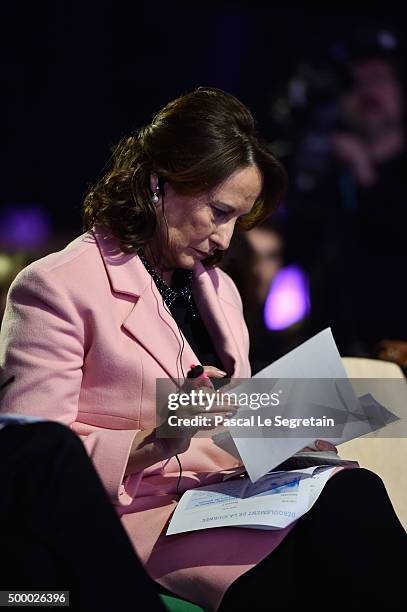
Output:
x,y
89,330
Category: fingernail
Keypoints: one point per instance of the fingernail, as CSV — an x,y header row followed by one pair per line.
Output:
x,y
221,372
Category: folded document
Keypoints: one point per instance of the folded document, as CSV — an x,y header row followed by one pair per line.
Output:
x,y
273,502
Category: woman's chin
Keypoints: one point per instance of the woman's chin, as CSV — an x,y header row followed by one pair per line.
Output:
x,y
187,261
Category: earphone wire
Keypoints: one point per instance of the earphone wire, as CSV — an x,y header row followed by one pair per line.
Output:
x,y
179,356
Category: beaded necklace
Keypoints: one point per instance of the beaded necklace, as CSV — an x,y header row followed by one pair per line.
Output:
x,y
170,294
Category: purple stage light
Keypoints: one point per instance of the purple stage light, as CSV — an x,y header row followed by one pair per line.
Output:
x,y
24,227
288,300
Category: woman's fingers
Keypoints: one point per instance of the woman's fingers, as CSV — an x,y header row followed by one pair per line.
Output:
x,y
323,445
206,404
204,380
320,445
214,372
213,419
209,406
196,418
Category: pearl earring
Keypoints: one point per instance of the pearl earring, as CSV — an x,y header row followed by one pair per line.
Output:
x,y
155,198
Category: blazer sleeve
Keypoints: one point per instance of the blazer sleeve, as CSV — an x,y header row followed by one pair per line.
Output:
x,y
43,344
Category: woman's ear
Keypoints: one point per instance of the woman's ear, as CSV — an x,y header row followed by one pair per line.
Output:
x,y
153,182
155,188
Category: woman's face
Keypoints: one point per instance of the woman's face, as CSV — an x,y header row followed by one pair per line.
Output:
x,y
198,225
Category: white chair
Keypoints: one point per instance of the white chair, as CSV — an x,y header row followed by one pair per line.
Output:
x,y
386,456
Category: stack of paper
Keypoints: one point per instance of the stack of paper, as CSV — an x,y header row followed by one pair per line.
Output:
x,y
254,495
315,360
274,502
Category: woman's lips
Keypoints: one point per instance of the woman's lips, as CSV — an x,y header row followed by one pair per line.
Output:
x,y
201,254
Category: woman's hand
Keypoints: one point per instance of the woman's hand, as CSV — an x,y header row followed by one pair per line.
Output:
x,y
150,445
321,445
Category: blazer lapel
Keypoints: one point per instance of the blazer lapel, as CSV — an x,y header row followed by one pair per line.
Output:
x,y
155,329
150,323
217,314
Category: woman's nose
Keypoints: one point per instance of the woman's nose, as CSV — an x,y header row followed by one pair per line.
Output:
x,y
222,237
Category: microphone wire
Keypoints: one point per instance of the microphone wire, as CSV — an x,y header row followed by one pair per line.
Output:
x,y
165,307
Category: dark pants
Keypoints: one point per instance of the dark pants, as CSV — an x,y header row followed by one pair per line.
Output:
x,y
58,528
349,552
59,531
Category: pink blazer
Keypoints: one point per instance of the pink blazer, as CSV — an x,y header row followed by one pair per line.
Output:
x,y
86,336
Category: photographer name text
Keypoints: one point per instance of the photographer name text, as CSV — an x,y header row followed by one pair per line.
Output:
x,y
254,420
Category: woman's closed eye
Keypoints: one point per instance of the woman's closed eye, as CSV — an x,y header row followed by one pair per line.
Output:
x,y
219,213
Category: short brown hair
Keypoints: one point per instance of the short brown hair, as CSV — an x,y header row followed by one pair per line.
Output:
x,y
195,142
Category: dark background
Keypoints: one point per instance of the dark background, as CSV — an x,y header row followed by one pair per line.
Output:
x,y
79,75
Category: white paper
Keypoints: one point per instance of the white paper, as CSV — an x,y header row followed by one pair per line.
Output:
x,y
318,358
274,502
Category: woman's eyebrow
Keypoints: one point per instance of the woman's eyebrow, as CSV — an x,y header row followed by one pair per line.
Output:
x,y
229,207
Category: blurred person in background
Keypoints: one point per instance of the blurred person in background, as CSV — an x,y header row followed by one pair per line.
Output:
x,y
348,201
267,244
253,262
